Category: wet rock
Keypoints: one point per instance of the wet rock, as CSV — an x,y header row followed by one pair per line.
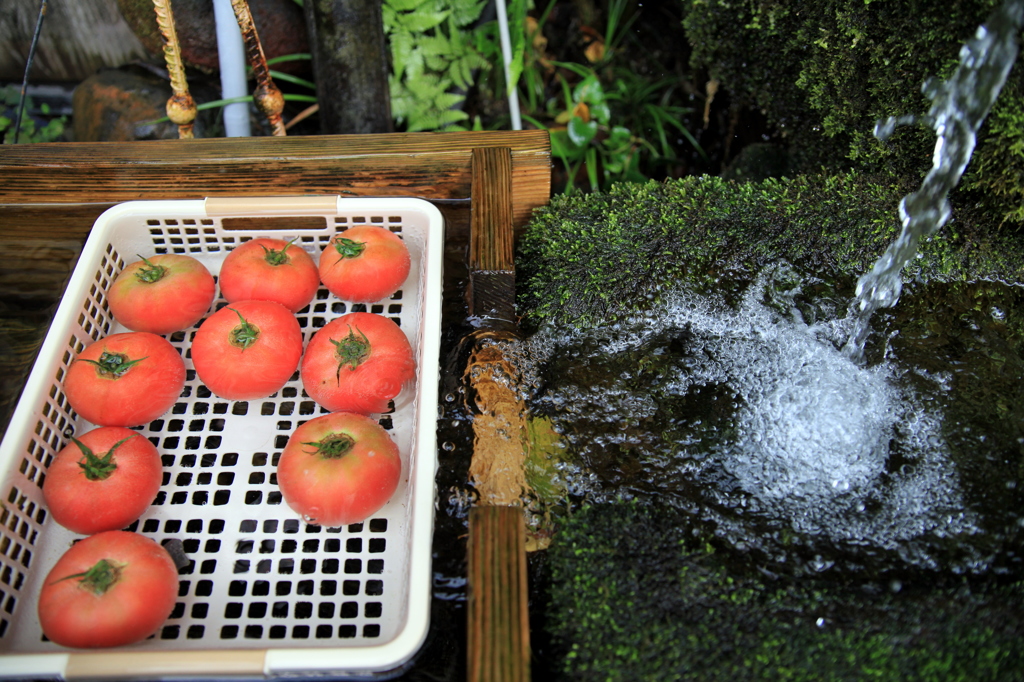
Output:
x,y
76,39
757,162
115,104
280,24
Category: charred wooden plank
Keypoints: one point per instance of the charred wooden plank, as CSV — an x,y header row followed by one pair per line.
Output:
x,y
350,65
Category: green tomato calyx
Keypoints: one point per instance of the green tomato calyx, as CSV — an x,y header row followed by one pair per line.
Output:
x,y
351,350
348,248
94,467
245,334
114,365
150,272
332,446
277,256
103,575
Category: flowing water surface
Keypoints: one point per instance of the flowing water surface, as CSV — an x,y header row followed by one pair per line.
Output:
x,y
745,411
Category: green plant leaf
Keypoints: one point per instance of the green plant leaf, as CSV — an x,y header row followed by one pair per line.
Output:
x,y
435,49
589,90
613,166
288,78
601,113
435,44
294,57
462,73
465,12
436,63
405,5
390,19
30,131
581,132
563,147
414,65
619,136
421,22
595,183
517,10
402,46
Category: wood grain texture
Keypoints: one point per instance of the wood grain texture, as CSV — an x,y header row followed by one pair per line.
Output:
x,y
491,290
492,238
497,612
427,165
498,635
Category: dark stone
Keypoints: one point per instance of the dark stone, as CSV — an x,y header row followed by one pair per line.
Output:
x,y
757,162
279,23
114,105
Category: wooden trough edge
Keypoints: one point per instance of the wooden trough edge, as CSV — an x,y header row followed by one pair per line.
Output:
x,y
498,633
433,166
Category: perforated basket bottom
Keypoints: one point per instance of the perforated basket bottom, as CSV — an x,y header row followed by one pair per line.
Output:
x,y
258,576
257,573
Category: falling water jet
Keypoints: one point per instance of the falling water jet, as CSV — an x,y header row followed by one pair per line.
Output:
x,y
959,106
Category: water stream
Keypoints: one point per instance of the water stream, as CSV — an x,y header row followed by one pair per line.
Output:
x,y
959,107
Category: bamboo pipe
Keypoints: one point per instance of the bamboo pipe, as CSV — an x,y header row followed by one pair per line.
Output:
x,y
498,634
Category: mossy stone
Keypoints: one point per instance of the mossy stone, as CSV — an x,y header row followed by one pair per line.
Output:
x,y
823,74
586,259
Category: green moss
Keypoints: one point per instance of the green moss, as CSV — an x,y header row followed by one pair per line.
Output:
x,y
996,173
823,74
588,259
638,593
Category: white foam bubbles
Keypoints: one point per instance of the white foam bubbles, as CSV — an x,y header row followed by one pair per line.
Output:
x,y
821,444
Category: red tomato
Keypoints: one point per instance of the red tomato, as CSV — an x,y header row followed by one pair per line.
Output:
x,y
103,481
125,379
365,263
247,350
109,589
357,363
338,469
161,294
270,270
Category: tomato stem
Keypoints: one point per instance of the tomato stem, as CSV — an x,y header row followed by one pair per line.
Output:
x,y
103,575
277,256
348,248
98,468
245,334
115,365
351,350
151,273
333,445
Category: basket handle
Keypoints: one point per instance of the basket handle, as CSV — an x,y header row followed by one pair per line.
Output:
x,y
281,206
118,664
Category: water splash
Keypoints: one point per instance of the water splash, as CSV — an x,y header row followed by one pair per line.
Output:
x,y
802,441
959,106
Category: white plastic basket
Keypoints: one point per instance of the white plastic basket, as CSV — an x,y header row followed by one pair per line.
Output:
x,y
265,594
